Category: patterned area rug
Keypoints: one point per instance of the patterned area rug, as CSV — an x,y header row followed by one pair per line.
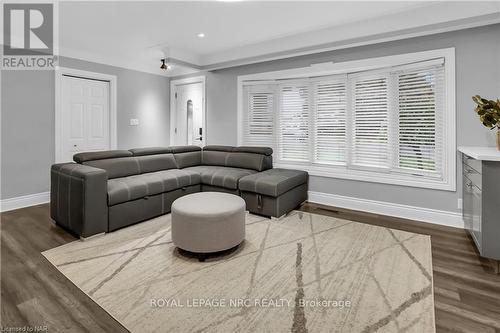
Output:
x,y
302,273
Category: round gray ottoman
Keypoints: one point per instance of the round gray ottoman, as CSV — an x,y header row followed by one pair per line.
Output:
x,y
208,222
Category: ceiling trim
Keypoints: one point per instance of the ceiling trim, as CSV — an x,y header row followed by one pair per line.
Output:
x,y
194,64
183,63
422,18
119,62
433,29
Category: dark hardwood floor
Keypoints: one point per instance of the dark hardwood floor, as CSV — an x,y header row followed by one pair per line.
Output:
x,y
33,293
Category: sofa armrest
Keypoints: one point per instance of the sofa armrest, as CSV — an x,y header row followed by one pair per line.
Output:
x,y
78,198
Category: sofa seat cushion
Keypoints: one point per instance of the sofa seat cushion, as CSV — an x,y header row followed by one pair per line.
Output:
x,y
221,176
139,186
273,182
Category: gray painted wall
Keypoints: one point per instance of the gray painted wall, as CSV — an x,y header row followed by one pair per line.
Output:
x,y
27,127
477,72
27,138
27,131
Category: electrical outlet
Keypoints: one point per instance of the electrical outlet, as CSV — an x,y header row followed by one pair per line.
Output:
x,y
134,122
460,203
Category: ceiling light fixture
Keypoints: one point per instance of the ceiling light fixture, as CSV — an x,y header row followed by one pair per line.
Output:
x,y
164,66
201,35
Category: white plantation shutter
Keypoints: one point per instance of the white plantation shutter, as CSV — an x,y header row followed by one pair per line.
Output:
x,y
330,121
369,117
294,122
392,123
420,103
258,121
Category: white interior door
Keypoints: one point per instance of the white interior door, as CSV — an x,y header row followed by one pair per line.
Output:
x,y
85,116
189,129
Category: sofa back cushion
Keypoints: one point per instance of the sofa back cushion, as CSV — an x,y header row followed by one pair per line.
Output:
x,y
100,155
217,158
152,163
254,158
122,163
117,167
187,156
256,162
215,155
128,166
267,151
226,149
150,151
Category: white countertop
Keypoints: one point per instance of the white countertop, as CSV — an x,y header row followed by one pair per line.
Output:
x,y
481,153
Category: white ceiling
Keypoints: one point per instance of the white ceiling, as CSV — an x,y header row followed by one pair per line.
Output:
x,y
138,34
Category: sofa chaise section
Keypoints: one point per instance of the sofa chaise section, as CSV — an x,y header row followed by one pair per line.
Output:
x,y
274,192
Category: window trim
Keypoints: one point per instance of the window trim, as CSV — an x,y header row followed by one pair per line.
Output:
x,y
342,172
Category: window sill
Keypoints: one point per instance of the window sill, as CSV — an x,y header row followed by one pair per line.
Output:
x,y
339,172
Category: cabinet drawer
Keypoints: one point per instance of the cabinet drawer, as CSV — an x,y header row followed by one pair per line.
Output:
x,y
471,163
473,175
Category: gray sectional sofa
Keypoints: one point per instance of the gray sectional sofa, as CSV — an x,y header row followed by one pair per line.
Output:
x,y
108,190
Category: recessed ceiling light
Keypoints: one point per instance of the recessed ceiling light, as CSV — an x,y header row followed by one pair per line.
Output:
x,y
201,35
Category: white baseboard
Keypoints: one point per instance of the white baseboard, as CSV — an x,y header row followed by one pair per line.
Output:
x,y
24,201
435,216
451,219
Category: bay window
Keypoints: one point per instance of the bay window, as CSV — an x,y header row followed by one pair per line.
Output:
x,y
389,124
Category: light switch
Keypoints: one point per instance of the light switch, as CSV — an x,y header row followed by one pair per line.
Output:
x,y
134,122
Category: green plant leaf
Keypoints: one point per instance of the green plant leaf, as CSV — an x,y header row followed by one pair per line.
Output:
x,y
488,111
477,99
